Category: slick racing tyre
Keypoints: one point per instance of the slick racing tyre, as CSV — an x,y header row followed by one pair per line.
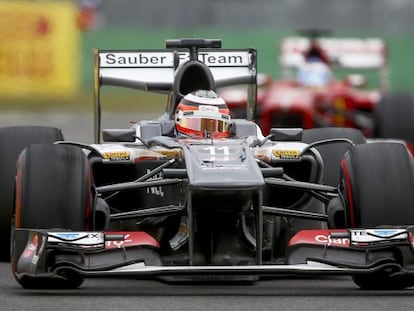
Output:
x,y
394,117
12,141
53,191
376,184
332,153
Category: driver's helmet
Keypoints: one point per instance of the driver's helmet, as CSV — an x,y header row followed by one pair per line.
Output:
x,y
314,74
202,114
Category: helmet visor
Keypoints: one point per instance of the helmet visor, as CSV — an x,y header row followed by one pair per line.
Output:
x,y
205,125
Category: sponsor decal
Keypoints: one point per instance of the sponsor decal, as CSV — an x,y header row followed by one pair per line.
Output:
x,y
387,233
219,58
337,238
82,239
286,154
136,59
133,238
142,59
157,190
208,108
328,240
109,240
345,238
223,59
117,155
372,236
170,153
69,236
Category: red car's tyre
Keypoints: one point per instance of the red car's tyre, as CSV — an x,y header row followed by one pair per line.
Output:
x,y
332,153
394,117
377,182
53,191
12,141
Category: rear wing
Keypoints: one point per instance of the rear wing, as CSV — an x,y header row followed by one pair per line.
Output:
x,y
348,53
155,70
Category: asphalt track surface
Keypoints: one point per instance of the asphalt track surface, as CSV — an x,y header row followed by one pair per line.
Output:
x,y
287,293
281,294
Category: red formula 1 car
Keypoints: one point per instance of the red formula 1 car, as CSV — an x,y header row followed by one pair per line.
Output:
x,y
311,94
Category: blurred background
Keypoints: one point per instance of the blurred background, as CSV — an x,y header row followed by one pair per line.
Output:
x,y
46,50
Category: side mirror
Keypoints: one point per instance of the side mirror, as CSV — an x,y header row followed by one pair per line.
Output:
x,y
286,134
355,80
119,135
263,80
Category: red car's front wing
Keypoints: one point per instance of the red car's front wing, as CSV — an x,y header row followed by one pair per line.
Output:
x,y
39,253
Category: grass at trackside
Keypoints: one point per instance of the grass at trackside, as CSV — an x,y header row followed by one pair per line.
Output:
x,y
113,100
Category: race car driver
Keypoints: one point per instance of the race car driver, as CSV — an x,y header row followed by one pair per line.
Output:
x,y
314,73
202,114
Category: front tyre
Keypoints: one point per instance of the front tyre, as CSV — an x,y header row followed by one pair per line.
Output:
x,y
382,281
12,141
376,183
53,191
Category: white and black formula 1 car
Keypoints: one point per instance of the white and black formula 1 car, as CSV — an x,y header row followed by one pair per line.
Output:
x,y
141,202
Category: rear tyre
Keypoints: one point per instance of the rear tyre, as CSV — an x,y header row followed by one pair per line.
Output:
x,y
12,141
53,191
394,117
376,183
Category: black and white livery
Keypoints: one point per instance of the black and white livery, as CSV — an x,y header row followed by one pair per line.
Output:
x,y
146,203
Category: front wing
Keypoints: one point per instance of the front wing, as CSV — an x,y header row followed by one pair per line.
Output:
x,y
40,253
